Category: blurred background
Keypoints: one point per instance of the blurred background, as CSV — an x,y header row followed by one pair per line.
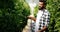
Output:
x,y
13,15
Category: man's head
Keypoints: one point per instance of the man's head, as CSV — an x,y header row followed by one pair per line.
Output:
x,y
42,4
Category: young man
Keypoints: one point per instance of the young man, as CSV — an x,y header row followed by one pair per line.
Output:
x,y
42,19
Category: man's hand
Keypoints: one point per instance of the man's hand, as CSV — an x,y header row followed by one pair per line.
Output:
x,y
32,17
43,29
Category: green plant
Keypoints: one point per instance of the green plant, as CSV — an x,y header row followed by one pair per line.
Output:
x,y
13,15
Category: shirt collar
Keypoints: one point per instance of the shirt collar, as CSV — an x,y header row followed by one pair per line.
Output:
x,y
42,10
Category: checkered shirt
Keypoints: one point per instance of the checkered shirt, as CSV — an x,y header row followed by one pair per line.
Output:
x,y
42,20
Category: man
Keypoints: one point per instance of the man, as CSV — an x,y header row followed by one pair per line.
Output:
x,y
42,19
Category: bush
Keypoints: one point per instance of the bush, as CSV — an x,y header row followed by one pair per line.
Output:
x,y
54,8
13,15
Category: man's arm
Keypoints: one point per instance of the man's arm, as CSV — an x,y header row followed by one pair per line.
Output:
x,y
43,29
32,18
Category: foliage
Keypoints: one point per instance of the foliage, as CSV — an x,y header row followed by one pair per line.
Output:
x,y
35,10
54,8
13,15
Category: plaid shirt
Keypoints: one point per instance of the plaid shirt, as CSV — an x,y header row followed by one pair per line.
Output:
x,y
42,20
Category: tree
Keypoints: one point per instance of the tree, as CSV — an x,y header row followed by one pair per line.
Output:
x,y
13,15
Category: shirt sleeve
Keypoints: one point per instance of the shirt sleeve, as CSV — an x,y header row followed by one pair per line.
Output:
x,y
47,19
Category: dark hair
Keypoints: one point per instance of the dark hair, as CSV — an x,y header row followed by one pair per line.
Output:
x,y
44,1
